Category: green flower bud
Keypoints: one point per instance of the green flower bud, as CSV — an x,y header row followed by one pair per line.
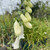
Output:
x,y
25,2
28,16
24,19
17,28
29,9
28,25
30,4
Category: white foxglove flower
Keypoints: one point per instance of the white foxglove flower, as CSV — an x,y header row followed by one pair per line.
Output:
x,y
22,32
27,15
29,9
24,19
15,45
17,28
28,25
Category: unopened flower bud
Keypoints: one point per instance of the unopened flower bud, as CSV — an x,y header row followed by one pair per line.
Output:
x,y
25,2
30,4
28,25
27,15
24,19
29,9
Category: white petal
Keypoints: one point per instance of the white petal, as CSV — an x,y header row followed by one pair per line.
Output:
x,y
17,28
22,32
15,45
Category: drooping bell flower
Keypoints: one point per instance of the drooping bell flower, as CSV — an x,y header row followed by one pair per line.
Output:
x,y
17,28
28,9
27,15
15,45
30,4
28,25
22,32
24,19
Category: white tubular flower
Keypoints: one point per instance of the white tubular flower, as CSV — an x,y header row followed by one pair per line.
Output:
x,y
28,25
22,32
17,28
24,19
27,15
15,45
30,4
29,9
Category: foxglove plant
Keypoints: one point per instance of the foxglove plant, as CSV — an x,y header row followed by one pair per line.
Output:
x,y
26,18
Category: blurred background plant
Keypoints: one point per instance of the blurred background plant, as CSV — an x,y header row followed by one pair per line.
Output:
x,y
37,38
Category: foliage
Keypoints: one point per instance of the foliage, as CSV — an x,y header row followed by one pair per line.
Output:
x,y
6,29
41,9
38,34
